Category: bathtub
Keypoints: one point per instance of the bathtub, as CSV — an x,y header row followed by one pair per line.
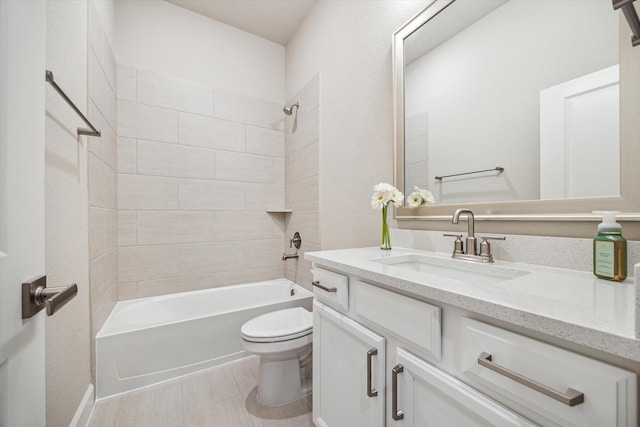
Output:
x,y
149,340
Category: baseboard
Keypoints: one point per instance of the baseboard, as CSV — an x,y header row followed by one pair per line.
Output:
x,y
83,413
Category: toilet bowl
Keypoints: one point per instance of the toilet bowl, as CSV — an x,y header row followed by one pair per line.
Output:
x,y
283,341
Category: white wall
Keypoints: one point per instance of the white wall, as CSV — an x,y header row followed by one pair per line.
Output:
x,y
158,36
349,44
472,126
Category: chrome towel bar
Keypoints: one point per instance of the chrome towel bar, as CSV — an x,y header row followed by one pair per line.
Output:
x,y
497,168
81,131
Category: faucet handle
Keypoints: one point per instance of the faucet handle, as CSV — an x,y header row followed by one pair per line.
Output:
x,y
485,247
457,248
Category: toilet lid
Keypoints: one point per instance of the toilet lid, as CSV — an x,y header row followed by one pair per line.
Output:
x,y
282,324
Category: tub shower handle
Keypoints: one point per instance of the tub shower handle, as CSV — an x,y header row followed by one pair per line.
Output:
x,y
571,397
371,392
317,284
395,413
36,296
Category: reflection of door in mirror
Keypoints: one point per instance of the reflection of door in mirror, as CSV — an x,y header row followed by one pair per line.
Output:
x,y
580,137
472,101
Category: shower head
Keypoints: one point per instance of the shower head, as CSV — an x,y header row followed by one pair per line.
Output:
x,y
288,110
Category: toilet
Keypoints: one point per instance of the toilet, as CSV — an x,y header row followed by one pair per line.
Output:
x,y
282,339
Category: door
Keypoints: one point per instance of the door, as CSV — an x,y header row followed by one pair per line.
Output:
x,y
580,137
348,371
22,106
429,397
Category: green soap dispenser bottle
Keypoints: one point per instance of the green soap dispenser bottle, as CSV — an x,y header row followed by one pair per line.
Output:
x,y
609,249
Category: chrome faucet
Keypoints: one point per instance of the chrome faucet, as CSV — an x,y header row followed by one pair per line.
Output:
x,y
471,253
472,242
296,241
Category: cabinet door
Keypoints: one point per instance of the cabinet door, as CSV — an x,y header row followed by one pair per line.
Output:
x,y
348,371
424,396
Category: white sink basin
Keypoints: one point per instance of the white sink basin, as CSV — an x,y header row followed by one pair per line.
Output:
x,y
463,271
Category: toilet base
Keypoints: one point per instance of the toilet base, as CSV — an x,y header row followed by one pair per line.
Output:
x,y
285,379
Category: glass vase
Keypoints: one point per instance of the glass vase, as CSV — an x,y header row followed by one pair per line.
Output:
x,y
385,243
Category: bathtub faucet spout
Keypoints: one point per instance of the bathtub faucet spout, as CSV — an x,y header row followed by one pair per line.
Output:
x,y
287,256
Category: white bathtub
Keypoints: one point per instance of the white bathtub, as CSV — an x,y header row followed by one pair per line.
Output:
x,y
149,340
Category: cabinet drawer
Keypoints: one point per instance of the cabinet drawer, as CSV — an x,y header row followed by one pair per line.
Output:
x,y
415,321
532,376
331,288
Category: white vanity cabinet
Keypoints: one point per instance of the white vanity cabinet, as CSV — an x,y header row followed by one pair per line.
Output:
x,y
348,371
383,358
423,395
353,383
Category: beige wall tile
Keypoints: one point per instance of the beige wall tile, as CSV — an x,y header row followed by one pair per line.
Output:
x,y
162,159
302,162
174,227
302,195
209,132
231,166
307,223
173,93
243,109
267,142
278,170
102,183
261,197
149,288
99,43
136,263
102,231
243,225
103,276
248,275
198,194
103,147
101,91
201,258
126,83
147,122
127,291
147,192
307,129
127,228
127,152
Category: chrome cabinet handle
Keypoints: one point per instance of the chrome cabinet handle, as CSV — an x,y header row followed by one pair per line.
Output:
x,y
571,397
395,413
371,392
324,288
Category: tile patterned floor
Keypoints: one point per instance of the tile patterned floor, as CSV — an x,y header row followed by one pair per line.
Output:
x,y
224,396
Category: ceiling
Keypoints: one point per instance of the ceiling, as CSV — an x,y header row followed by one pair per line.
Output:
x,y
274,20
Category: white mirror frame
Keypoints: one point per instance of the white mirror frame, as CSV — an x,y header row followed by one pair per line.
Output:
x,y
628,203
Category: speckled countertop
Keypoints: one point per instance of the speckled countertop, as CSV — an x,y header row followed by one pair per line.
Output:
x,y
572,305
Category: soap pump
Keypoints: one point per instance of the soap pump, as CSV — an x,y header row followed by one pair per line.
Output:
x,y
609,249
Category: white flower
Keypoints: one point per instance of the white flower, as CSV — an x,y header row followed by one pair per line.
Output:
x,y
383,194
420,197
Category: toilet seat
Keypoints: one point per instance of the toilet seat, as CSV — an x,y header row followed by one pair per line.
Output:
x,y
278,326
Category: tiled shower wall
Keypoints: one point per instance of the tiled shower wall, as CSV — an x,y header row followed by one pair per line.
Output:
x,y
197,170
302,142
102,177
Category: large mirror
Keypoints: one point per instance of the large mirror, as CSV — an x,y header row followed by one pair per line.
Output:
x,y
516,108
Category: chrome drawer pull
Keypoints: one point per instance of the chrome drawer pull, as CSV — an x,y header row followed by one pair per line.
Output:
x,y
324,288
395,413
371,392
571,397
